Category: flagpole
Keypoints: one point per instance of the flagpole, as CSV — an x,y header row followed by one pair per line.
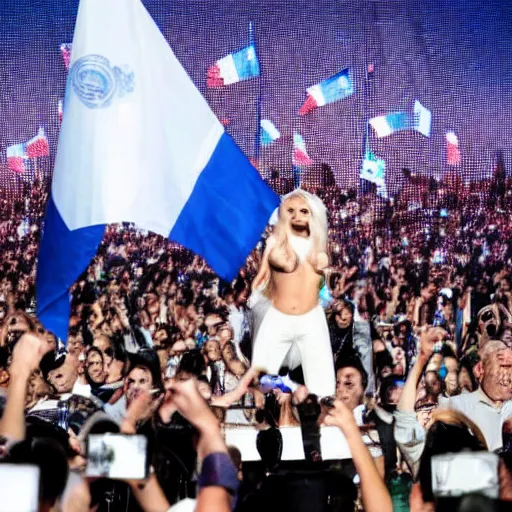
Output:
x,y
35,168
257,137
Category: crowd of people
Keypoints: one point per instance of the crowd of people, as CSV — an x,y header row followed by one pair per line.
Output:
x,y
418,302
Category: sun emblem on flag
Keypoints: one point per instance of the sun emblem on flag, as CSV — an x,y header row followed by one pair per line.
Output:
x,y
96,82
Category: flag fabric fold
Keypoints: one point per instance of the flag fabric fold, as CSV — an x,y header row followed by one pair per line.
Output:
x,y
138,143
16,156
234,68
38,146
269,132
332,89
452,149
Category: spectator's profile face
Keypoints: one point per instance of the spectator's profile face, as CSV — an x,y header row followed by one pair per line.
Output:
x,y
63,378
349,387
138,380
344,318
94,368
296,212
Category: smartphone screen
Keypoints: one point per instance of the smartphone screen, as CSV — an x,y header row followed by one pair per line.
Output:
x,y
19,488
456,474
117,456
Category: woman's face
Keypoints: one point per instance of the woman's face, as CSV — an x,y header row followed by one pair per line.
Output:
x,y
228,353
212,351
344,318
464,380
94,367
451,383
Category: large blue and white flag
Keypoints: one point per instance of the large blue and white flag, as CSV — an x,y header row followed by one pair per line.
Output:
x,y
332,89
140,144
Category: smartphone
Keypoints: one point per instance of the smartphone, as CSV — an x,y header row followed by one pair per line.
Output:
x,y
117,456
456,474
19,487
328,401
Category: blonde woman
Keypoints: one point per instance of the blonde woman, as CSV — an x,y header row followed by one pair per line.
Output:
x,y
289,324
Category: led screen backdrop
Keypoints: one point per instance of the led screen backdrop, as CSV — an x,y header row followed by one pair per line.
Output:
x,y
451,57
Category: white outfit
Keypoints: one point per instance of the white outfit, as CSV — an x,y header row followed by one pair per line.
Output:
x,y
294,340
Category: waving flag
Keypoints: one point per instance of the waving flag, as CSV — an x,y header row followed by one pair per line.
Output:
x,y
16,156
65,51
234,68
269,133
335,88
300,155
300,158
422,119
139,144
391,123
452,149
38,146
373,169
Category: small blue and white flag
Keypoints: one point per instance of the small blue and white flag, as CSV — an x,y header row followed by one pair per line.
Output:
x,y
373,169
392,123
139,144
419,120
269,132
234,68
333,89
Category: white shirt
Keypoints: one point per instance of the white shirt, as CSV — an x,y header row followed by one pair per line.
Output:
x,y
478,407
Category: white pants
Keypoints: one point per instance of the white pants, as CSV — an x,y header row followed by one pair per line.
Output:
x,y
300,339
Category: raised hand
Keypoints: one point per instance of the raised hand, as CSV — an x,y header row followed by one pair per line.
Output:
x,y
27,354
